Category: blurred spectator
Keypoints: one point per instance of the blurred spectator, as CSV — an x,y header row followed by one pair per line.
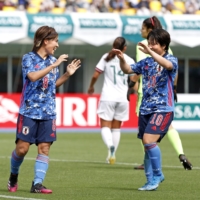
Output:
x,y
143,8
133,3
1,4
191,6
117,5
46,6
167,9
9,3
99,5
23,4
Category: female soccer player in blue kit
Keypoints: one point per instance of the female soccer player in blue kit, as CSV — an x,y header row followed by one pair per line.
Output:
x,y
37,115
157,107
148,25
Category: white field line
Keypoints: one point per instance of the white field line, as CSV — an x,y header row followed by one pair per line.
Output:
x,y
21,198
85,161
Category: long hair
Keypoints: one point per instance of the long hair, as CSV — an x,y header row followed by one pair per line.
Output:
x,y
160,36
42,33
119,43
152,23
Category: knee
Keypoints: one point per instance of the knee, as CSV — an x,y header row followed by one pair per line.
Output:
x,y
44,149
22,150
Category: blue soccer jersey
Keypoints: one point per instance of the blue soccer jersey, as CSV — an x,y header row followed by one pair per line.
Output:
x,y
157,84
38,98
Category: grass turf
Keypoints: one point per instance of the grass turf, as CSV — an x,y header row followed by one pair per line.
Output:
x,y
77,170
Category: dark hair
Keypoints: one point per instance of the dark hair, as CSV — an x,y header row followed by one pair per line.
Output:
x,y
160,36
42,33
119,43
153,23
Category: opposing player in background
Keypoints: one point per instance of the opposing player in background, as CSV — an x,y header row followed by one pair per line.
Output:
x,y
148,25
113,108
157,107
37,115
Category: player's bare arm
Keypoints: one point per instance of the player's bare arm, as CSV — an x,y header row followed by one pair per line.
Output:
x,y
34,76
70,70
158,58
124,66
93,81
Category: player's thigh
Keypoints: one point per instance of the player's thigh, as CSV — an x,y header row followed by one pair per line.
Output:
x,y
158,124
106,110
46,132
122,111
116,124
142,124
26,129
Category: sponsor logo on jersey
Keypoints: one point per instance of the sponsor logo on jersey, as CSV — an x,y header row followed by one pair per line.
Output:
x,y
153,128
53,135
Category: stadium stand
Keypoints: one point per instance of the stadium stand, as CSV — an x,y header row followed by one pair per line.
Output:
x,y
125,7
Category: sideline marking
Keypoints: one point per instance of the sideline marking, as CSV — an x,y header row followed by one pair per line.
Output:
x,y
14,197
85,161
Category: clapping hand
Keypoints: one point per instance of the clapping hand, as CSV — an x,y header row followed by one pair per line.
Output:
x,y
73,66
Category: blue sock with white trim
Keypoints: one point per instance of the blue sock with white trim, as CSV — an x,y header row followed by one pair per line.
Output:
x,y
154,154
41,166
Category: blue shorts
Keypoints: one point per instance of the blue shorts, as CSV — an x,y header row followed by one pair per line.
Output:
x,y
35,131
155,123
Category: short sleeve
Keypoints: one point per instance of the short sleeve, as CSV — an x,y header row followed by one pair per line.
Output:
x,y
27,64
101,64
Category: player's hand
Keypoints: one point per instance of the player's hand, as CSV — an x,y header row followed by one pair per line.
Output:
x,y
144,48
128,94
60,60
118,53
91,90
73,66
175,94
130,89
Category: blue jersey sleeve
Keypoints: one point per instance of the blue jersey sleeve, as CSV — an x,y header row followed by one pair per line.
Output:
x,y
138,67
28,64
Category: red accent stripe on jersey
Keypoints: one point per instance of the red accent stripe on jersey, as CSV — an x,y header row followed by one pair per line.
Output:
x,y
150,147
165,121
20,124
169,92
97,69
22,95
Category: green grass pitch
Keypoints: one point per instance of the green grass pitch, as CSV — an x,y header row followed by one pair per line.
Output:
x,y
77,170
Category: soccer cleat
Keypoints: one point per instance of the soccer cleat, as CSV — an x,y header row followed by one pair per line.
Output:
x,y
39,188
112,155
185,162
12,183
139,167
149,186
158,179
153,185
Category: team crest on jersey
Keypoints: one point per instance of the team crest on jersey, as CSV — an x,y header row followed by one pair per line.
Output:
x,y
159,68
25,130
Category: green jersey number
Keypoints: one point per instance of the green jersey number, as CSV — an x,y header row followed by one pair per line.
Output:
x,y
119,73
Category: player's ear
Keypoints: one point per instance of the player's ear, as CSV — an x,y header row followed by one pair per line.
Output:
x,y
125,47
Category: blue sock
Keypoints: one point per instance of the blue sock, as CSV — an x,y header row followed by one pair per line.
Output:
x,y
154,154
148,167
15,162
41,166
